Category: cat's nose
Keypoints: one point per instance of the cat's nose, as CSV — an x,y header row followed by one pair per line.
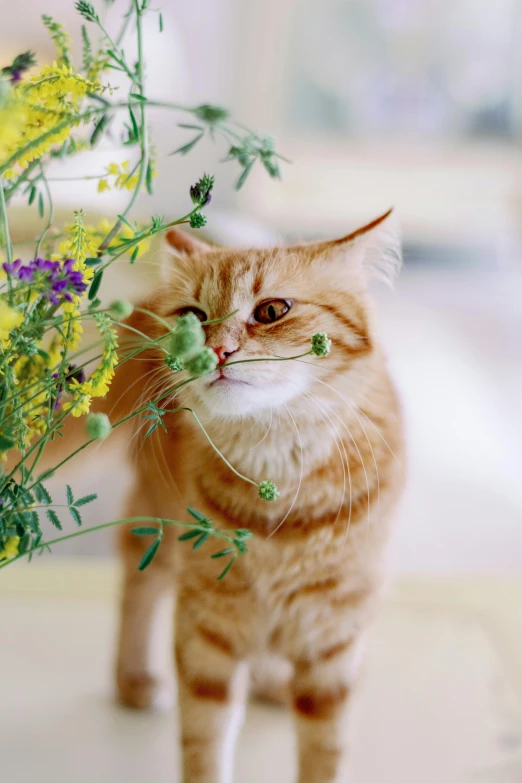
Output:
x,y
223,352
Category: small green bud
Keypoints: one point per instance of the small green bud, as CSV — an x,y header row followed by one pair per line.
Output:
x,y
204,361
197,220
268,491
98,426
173,364
188,338
186,343
188,322
120,309
321,344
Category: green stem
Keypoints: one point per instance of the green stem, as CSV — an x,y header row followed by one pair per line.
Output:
x,y
218,452
144,141
51,211
127,521
3,213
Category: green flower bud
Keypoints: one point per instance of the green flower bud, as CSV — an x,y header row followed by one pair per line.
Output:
x,y
203,362
197,220
268,491
321,344
120,309
188,338
98,426
173,364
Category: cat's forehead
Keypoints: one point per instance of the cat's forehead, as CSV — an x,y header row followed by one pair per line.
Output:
x,y
237,275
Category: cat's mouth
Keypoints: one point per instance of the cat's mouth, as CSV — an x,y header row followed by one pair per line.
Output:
x,y
223,379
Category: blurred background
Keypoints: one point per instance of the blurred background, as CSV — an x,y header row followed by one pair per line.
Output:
x,y
415,104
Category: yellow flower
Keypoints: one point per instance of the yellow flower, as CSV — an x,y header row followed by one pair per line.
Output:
x,y
10,549
113,169
103,185
38,107
9,320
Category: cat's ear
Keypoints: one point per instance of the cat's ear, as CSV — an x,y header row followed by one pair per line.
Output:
x,y
185,244
371,252
179,245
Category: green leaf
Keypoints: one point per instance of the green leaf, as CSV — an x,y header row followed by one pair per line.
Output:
x,y
76,515
70,496
161,22
222,553
134,254
243,532
46,474
145,531
138,97
98,130
226,569
52,517
32,194
95,285
149,555
243,178
86,499
135,129
25,543
190,127
6,443
201,540
93,261
42,494
187,147
40,205
148,178
189,534
94,304
124,220
197,515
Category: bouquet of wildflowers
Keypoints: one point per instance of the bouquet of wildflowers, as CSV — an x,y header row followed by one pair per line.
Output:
x,y
45,299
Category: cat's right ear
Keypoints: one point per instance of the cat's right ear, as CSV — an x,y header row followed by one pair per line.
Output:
x,y
185,244
181,245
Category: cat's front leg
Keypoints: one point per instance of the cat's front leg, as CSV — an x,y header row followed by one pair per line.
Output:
x,y
212,691
322,691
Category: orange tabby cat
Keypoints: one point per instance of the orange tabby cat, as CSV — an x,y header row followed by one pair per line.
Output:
x,y
327,431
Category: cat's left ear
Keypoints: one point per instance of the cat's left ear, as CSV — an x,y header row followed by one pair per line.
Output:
x,y
371,252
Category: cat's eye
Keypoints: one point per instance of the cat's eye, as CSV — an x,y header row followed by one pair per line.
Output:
x,y
271,310
199,313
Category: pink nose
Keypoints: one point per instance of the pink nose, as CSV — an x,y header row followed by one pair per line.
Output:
x,y
222,354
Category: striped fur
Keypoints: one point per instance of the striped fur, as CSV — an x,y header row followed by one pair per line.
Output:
x,y
328,432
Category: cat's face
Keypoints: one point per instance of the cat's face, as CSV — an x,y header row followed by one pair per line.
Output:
x,y
280,298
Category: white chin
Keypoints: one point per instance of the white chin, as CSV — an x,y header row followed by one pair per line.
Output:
x,y
226,398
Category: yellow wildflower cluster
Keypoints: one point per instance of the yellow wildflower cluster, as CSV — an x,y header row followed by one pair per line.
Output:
x,y
9,320
123,179
78,246
125,232
41,113
32,400
98,383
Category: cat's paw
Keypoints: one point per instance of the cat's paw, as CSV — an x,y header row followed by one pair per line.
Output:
x,y
141,691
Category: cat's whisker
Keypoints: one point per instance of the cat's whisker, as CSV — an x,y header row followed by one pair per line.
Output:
x,y
300,476
266,433
337,439
352,406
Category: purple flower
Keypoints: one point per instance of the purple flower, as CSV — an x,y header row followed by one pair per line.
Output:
x,y
51,278
12,269
26,273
